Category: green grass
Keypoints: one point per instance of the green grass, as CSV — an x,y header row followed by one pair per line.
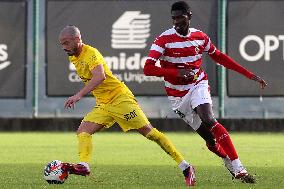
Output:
x,y
127,160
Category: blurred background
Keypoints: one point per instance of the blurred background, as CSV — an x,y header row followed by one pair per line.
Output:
x,y
36,77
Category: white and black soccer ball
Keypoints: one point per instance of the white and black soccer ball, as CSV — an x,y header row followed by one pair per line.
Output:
x,y
53,172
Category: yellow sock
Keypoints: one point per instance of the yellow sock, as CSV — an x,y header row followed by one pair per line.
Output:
x,y
85,147
165,144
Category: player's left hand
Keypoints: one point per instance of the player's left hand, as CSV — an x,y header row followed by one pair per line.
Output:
x,y
71,101
260,80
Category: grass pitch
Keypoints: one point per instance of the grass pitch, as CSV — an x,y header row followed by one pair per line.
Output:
x,y
128,160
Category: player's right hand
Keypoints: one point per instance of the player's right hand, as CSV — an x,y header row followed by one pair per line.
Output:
x,y
71,101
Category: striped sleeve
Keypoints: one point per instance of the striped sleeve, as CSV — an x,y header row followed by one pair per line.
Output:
x,y
209,47
156,51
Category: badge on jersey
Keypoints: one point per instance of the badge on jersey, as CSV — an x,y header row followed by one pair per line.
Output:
x,y
197,50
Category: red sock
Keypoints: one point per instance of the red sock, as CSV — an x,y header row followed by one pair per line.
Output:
x,y
218,150
223,138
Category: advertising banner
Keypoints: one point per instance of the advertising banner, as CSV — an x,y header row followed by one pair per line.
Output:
x,y
256,41
12,49
123,32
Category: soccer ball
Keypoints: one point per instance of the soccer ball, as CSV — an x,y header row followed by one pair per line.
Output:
x,y
53,172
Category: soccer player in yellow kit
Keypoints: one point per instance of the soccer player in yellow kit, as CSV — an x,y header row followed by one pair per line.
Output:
x,y
114,103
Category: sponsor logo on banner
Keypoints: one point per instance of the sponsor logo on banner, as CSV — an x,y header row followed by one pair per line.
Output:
x,y
131,30
265,46
4,63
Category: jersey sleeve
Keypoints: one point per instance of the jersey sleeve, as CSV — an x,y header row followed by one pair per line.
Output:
x,y
229,63
156,51
209,47
95,59
224,59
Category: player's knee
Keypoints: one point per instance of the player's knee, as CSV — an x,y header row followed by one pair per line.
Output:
x,y
89,127
209,121
210,144
145,130
84,130
80,130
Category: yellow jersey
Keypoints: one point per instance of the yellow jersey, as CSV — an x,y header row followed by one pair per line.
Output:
x,y
111,87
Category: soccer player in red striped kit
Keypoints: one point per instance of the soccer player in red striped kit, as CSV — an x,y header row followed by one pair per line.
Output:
x,y
179,50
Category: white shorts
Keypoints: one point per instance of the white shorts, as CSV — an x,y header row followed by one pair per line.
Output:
x,y
184,107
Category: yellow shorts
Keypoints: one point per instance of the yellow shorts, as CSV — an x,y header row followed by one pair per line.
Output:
x,y
124,110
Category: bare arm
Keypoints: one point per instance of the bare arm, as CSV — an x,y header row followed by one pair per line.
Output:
x,y
97,78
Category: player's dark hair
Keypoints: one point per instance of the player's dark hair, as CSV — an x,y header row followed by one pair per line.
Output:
x,y
181,6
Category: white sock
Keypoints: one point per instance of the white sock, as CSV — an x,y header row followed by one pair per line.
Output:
x,y
237,165
183,165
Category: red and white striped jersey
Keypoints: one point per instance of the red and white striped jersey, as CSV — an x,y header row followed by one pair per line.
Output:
x,y
175,52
